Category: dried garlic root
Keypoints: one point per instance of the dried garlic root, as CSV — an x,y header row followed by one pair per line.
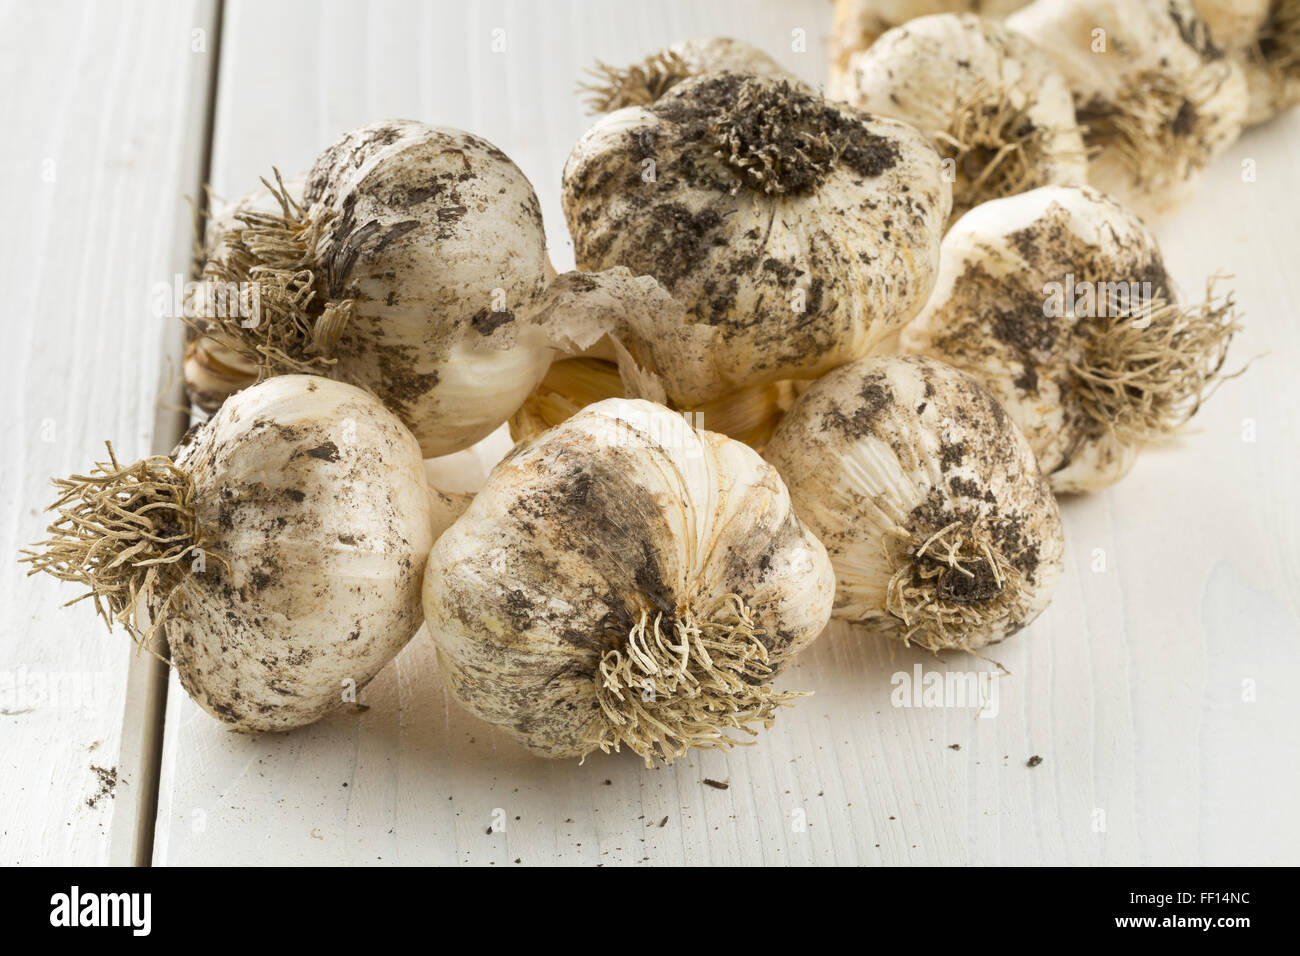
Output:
x,y
279,549
408,267
1058,301
992,103
626,581
942,531
612,88
1157,99
793,232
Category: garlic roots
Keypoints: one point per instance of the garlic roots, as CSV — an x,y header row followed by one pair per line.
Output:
x,y
408,268
612,88
794,233
1157,99
1058,301
941,529
626,580
280,549
992,103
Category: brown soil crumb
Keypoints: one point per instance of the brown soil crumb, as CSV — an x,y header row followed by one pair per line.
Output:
x,y
107,785
1033,761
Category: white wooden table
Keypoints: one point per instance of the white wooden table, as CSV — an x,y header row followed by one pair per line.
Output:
x,y
1155,689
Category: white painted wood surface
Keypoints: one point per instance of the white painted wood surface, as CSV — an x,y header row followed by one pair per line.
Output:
x,y
1181,584
103,109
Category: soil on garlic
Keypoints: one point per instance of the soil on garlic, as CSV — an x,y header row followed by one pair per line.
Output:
x,y
762,194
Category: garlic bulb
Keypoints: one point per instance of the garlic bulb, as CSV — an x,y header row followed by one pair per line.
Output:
x,y
1263,36
408,269
794,233
612,88
572,384
1058,301
856,25
940,527
625,580
280,549
1157,99
991,102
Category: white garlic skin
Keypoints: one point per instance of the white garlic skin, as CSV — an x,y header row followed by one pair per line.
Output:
x,y
910,443
857,24
621,508
927,70
1143,37
438,239
318,519
857,252
704,54
997,262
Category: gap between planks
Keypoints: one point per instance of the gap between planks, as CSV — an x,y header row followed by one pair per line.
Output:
x,y
144,717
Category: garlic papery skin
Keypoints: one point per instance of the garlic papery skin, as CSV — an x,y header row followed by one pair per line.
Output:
x,y
793,232
213,372
857,24
749,415
1058,301
625,580
942,531
993,104
280,549
612,88
1157,99
408,269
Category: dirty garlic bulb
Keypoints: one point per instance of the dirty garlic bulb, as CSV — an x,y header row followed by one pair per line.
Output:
x,y
940,527
572,384
408,269
625,580
1058,301
1157,99
1263,36
992,103
612,88
280,549
856,25
793,232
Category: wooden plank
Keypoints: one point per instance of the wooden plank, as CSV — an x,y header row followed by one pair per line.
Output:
x,y
1129,687
109,102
